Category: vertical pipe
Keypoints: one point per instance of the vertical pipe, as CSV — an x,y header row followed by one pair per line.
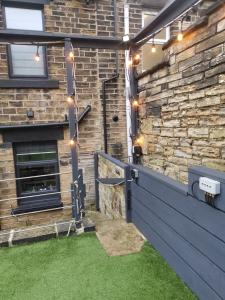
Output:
x,y
72,121
127,84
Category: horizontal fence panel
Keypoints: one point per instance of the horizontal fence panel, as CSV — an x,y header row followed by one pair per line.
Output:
x,y
193,280
202,214
197,236
207,271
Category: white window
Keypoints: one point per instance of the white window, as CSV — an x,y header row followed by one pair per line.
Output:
x,y
151,59
23,18
22,61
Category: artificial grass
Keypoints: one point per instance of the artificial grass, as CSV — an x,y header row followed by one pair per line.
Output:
x,y
78,268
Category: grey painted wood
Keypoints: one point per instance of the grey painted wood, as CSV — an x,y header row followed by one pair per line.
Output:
x,y
191,278
210,246
207,270
197,211
187,232
97,204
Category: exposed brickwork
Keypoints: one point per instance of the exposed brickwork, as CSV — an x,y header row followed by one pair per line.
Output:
x,y
92,67
182,106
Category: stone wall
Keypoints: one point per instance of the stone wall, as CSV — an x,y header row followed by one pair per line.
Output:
x,y
111,198
182,105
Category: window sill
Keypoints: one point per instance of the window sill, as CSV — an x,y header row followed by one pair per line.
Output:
x,y
29,83
40,207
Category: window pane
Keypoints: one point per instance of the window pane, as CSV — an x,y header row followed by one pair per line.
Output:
x,y
36,159
36,156
148,17
21,18
23,62
151,59
37,185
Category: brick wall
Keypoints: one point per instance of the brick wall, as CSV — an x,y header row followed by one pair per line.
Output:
x,y
182,105
92,67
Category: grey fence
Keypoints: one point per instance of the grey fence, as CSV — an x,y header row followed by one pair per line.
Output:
x,y
185,230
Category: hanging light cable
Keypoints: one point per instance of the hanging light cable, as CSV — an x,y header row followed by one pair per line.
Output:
x,y
37,55
153,45
180,35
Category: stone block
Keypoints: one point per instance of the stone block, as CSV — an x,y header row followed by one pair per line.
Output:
x,y
198,132
217,133
171,123
209,101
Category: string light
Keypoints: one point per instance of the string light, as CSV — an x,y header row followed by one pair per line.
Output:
x,y
136,59
135,104
71,55
37,55
180,35
72,142
69,99
139,141
126,38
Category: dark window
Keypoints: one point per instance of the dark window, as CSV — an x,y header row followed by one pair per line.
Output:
x,y
22,62
35,160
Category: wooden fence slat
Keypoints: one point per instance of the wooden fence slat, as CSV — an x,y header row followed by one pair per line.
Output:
x,y
201,239
214,277
191,278
205,216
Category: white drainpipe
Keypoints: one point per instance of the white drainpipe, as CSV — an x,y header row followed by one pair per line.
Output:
x,y
127,84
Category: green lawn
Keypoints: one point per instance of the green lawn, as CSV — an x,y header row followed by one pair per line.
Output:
x,y
78,268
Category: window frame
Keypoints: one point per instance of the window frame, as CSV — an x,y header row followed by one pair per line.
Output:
x,y
31,6
156,41
44,201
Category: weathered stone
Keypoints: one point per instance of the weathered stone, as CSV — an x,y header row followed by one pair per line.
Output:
x,y
217,133
218,164
187,63
171,123
208,101
198,132
214,71
221,25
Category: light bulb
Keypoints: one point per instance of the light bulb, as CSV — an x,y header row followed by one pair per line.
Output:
x,y
71,55
153,48
72,143
37,58
139,141
69,99
136,59
180,36
126,38
135,104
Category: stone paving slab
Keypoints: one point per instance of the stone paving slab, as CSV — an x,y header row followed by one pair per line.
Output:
x,y
116,236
